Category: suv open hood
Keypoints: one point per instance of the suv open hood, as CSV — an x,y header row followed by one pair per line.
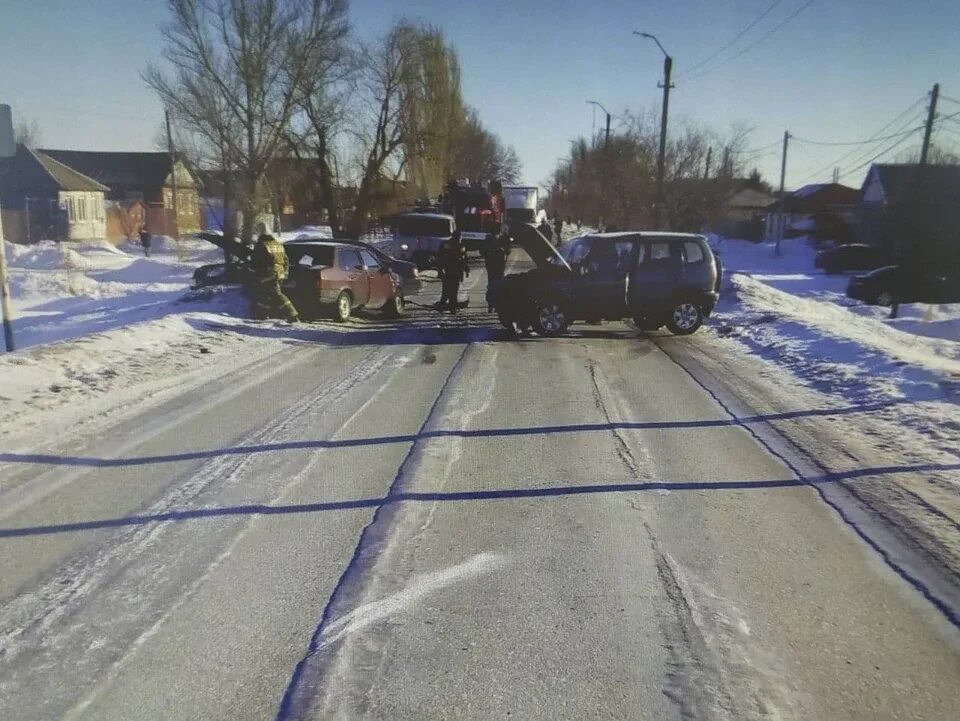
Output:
x,y
232,245
541,250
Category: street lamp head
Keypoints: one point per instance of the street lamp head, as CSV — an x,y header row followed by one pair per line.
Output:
x,y
654,38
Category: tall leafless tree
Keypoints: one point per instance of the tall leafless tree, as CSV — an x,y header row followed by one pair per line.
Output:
x,y
237,70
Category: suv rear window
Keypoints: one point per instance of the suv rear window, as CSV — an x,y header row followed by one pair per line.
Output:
x,y
693,252
439,227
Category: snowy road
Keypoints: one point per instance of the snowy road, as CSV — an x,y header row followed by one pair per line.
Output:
x,y
420,522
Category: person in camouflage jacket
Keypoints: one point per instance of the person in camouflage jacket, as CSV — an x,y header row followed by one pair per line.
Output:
x,y
271,267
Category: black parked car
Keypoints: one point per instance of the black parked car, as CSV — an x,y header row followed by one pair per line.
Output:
x,y
854,256
655,278
899,284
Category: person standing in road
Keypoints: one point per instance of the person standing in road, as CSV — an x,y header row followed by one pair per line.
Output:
x,y
495,261
558,229
453,267
146,240
270,267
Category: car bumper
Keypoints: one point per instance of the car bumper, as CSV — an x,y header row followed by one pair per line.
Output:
x,y
474,240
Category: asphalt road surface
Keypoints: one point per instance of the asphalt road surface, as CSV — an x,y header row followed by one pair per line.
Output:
x,y
430,520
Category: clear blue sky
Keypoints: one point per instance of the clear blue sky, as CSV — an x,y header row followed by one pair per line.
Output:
x,y
839,71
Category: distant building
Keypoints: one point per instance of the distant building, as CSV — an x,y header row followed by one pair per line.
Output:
x,y
44,199
909,208
823,210
147,177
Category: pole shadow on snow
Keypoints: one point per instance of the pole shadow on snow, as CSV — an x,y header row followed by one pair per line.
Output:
x,y
466,496
319,444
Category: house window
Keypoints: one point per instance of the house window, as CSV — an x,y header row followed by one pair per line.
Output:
x,y
81,208
71,210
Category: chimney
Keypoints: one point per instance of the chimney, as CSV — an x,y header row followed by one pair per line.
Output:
x,y
8,147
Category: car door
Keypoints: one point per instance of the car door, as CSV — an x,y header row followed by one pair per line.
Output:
x,y
379,279
605,272
349,262
658,274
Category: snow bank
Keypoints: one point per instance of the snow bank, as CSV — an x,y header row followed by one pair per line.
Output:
x,y
793,273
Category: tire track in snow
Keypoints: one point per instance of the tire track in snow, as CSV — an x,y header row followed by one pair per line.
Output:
x,y
49,621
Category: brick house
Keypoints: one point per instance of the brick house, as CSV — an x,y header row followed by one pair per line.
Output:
x,y
146,177
45,199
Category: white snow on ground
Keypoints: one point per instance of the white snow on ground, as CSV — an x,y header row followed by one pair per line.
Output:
x,y
785,311
98,327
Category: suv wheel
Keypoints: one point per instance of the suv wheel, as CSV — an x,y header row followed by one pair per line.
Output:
x,y
685,318
342,310
551,319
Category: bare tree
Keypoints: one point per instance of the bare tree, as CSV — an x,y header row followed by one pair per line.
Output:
x,y
381,129
480,154
237,72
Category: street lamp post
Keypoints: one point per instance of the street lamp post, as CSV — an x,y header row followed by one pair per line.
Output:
x,y
661,157
606,139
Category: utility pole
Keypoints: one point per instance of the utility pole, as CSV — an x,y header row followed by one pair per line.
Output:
x,y
706,173
5,293
606,141
931,116
173,179
662,156
783,178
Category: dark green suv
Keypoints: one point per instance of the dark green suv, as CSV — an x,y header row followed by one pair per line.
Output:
x,y
657,279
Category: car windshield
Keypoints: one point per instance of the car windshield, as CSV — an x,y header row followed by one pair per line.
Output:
x,y
418,226
388,360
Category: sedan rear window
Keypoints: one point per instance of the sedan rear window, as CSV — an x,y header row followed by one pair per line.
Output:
x,y
310,255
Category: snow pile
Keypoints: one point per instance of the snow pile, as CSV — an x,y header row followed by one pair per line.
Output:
x,y
784,310
61,291
793,273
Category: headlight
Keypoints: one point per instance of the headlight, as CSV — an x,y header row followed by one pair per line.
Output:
x,y
404,247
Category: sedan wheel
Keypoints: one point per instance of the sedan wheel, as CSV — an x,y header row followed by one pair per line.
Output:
x,y
395,306
685,319
343,308
885,299
551,319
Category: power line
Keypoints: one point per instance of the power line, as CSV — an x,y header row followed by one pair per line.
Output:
x,y
869,141
875,157
747,49
833,164
947,97
736,37
750,151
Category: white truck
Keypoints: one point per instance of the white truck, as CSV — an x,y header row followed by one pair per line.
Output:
x,y
520,203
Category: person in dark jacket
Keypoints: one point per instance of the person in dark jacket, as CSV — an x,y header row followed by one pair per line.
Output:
x,y
270,267
453,267
495,261
558,229
146,240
